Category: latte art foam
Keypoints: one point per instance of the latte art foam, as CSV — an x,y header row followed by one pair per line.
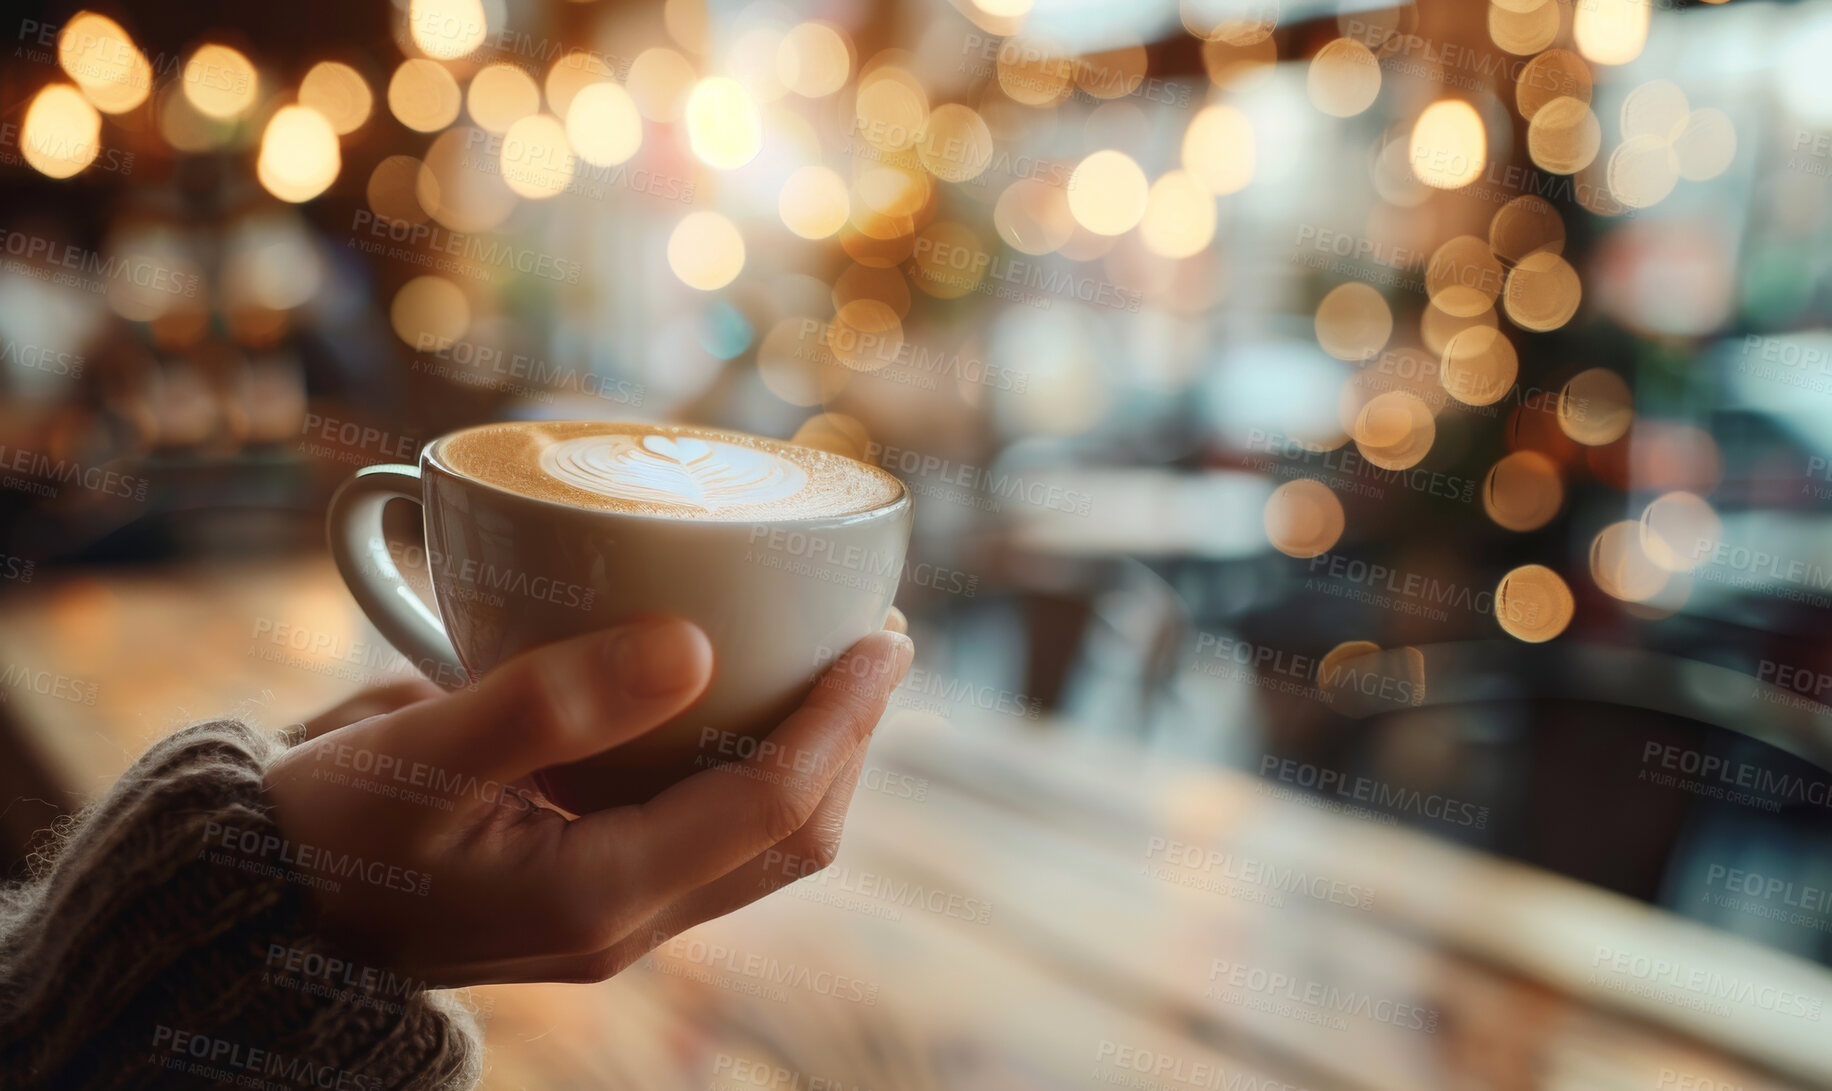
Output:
x,y
671,471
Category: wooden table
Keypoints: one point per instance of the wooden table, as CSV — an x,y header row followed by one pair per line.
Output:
x,y
1015,907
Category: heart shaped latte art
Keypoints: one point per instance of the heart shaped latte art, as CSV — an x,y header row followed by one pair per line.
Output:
x,y
674,471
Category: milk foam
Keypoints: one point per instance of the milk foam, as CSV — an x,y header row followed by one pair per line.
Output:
x,y
666,470
679,471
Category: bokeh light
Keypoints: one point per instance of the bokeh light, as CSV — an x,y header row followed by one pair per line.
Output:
x,y
446,29
1353,322
62,132
430,310
501,95
423,96
537,160
97,53
219,82
723,125
1218,149
1611,31
660,81
1595,407
572,74
955,144
1620,567
299,157
1033,216
1344,78
1523,491
603,124
1395,430
1679,530
1303,518
338,92
706,251
1108,193
1179,216
1463,277
1478,366
1449,145
813,60
1564,136
1533,604
1542,292
813,202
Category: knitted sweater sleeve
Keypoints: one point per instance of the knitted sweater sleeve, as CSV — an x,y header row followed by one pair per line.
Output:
x,y
142,954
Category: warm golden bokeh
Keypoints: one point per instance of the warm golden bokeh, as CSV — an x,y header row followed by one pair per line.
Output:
x,y
1449,145
1523,491
537,160
1033,216
813,60
1478,366
423,96
1564,136
1679,530
1218,149
1542,292
813,202
1179,216
660,81
1108,193
706,251
338,92
299,158
220,82
1620,567
1344,78
603,124
110,70
723,124
1353,322
1533,604
62,133
1303,518
430,310
1523,226
1611,32
1596,407
446,29
501,95
1395,430
955,143
865,335
1463,277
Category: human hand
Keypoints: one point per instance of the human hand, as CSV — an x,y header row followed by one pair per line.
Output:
x,y
448,868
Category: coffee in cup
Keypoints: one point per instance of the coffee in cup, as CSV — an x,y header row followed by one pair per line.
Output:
x,y
538,531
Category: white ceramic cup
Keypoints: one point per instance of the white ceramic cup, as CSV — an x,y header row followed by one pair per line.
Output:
x,y
778,599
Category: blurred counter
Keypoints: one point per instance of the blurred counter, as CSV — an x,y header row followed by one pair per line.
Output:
x,y
1014,907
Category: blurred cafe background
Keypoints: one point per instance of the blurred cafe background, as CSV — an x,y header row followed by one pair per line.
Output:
x,y
1371,570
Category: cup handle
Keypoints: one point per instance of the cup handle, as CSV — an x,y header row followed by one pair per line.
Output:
x,y
358,545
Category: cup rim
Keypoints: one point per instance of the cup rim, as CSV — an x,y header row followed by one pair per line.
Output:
x,y
430,452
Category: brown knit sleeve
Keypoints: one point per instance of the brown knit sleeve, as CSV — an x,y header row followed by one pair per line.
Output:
x,y
161,944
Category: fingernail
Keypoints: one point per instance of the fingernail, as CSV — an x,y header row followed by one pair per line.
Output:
x,y
658,658
906,653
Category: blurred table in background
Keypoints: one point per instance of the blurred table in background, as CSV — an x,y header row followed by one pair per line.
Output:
x,y
1014,907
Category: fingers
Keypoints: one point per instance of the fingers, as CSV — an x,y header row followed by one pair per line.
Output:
x,y
372,702
717,820
896,622
558,703
810,849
